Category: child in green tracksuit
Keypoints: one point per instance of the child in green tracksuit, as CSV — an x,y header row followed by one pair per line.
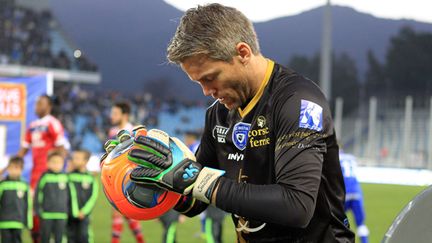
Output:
x,y
52,199
15,203
84,192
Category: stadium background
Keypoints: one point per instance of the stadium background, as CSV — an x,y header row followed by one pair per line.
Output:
x,y
384,120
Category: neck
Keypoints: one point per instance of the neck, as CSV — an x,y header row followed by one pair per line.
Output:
x,y
259,69
123,124
43,115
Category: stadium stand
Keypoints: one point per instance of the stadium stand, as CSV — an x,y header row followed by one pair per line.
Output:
x,y
85,114
31,38
400,138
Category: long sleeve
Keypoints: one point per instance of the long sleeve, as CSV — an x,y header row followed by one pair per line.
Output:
x,y
91,202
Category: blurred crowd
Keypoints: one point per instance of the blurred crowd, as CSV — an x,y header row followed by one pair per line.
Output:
x,y
85,113
87,118
25,39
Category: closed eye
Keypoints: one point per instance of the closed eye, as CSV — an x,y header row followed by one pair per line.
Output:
x,y
209,77
207,80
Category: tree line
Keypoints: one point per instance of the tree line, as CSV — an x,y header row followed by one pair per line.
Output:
x,y
406,70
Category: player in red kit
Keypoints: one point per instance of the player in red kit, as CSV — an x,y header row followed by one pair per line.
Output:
x,y
120,121
43,135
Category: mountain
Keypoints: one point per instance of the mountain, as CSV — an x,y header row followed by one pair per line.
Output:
x,y
352,32
128,39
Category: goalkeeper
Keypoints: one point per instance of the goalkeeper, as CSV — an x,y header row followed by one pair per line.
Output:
x,y
268,154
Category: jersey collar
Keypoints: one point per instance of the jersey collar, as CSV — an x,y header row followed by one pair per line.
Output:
x,y
256,98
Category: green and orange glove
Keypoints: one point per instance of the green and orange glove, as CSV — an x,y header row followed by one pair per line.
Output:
x,y
167,162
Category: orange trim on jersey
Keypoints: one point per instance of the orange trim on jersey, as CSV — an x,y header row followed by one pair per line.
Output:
x,y
256,98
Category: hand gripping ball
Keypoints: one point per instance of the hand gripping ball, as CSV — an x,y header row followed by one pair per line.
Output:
x,y
141,202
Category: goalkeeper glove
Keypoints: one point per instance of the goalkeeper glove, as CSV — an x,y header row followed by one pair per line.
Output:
x,y
168,163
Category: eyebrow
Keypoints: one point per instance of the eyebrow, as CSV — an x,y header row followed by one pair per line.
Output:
x,y
211,73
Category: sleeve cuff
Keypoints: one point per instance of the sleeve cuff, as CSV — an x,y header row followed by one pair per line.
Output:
x,y
205,184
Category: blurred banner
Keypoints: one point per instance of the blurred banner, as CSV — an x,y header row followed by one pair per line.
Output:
x,y
18,97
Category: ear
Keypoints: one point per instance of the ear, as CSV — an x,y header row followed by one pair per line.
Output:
x,y
244,52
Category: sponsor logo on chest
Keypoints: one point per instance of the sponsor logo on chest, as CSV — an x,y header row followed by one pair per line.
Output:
x,y
235,156
39,128
259,137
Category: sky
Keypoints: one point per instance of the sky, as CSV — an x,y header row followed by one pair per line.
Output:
x,y
263,10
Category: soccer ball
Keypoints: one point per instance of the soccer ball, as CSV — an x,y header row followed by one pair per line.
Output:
x,y
141,202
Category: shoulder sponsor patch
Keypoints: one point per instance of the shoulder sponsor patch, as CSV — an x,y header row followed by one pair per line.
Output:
x,y
240,135
310,115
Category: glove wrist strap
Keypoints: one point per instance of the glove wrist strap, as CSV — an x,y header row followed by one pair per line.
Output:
x,y
205,184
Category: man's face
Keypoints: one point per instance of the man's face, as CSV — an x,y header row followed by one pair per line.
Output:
x,y
43,107
225,81
116,116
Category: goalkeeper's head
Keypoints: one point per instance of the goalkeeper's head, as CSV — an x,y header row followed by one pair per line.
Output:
x,y
217,46
213,30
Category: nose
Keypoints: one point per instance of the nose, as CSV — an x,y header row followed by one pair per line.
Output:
x,y
208,91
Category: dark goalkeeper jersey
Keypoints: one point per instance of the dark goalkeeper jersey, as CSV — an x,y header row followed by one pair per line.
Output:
x,y
283,180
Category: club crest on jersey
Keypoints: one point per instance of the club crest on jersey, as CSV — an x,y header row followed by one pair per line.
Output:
x,y
20,194
240,135
310,115
85,185
62,185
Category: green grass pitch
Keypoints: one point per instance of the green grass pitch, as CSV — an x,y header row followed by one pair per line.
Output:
x,y
382,202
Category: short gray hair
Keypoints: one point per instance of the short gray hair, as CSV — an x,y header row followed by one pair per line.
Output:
x,y
213,30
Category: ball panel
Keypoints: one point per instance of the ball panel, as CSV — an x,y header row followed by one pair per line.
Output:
x,y
148,203
144,197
